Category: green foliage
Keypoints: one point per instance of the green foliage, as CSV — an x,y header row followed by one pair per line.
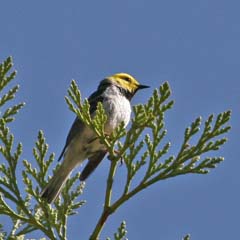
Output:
x,y
150,117
143,150
121,233
3,234
25,209
187,237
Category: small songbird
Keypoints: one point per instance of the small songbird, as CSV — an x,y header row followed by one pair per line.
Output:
x,y
115,93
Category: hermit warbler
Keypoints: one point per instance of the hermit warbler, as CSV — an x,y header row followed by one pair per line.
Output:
x,y
115,93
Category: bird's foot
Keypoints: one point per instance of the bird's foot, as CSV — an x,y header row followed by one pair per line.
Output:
x,y
116,152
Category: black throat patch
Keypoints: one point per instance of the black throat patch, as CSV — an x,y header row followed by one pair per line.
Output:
x,y
126,93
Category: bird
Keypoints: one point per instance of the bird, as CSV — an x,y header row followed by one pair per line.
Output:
x,y
115,93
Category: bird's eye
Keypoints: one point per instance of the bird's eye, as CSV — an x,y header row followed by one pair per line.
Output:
x,y
127,79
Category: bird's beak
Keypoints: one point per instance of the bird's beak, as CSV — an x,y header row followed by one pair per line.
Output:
x,y
142,86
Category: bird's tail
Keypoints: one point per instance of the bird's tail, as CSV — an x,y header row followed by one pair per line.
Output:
x,y
55,185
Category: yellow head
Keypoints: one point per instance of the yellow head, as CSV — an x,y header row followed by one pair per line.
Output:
x,y
126,82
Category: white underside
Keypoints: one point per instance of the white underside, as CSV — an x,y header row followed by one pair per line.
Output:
x,y
85,144
118,109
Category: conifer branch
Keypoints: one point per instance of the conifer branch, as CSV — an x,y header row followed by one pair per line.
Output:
x,y
142,148
121,232
25,209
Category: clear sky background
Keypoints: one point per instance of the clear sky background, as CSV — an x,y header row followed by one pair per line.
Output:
x,y
192,44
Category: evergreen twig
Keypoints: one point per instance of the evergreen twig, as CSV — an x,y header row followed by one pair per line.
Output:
x,y
142,150
150,117
26,210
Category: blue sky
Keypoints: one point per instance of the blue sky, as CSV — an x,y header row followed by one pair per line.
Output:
x,y
192,44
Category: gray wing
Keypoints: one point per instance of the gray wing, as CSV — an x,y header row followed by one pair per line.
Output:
x,y
76,128
78,125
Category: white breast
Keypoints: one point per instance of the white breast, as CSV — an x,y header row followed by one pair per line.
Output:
x,y
117,107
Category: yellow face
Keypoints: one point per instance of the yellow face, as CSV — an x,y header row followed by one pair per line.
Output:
x,y
125,81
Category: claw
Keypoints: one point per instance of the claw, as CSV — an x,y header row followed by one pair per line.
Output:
x,y
116,153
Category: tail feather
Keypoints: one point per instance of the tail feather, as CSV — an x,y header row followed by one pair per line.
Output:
x,y
72,159
55,185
